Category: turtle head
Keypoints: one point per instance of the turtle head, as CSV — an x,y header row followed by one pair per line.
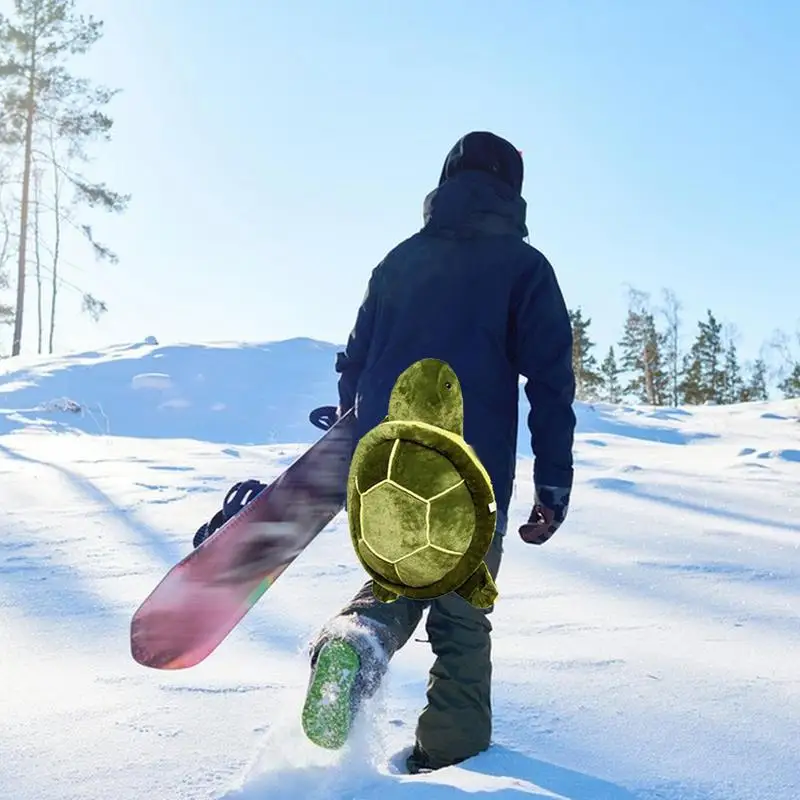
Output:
x,y
429,391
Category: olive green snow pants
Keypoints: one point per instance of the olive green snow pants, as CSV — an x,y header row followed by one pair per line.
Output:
x,y
456,723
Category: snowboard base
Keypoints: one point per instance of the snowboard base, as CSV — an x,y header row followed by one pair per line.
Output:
x,y
203,597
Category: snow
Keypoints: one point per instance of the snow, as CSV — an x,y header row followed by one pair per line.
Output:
x,y
177,391
649,651
158,381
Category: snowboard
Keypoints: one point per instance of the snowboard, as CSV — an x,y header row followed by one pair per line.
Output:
x,y
206,594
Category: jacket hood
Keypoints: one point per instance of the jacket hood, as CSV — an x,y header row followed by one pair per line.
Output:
x,y
479,190
474,203
485,152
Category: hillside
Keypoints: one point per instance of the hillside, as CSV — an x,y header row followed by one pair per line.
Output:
x,y
223,392
648,652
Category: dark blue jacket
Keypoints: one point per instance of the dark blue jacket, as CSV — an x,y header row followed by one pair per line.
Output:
x,y
468,290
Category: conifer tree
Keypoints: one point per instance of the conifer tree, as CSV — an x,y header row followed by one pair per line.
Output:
x,y
584,364
641,347
704,369
755,387
790,385
787,371
609,373
733,385
691,387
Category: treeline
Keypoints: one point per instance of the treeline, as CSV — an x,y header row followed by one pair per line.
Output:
x,y
49,119
650,364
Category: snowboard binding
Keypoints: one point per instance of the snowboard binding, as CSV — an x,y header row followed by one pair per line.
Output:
x,y
324,417
239,495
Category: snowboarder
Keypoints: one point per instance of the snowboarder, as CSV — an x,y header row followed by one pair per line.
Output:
x,y
466,289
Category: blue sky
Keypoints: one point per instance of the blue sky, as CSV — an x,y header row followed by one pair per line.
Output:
x,y
276,150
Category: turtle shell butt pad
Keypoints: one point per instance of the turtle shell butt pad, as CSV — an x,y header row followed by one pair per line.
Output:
x,y
421,505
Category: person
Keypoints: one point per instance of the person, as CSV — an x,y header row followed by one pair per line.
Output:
x,y
466,289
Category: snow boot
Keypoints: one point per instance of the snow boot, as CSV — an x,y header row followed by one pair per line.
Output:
x,y
420,762
331,700
348,662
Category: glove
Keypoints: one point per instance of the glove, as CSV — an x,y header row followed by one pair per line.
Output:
x,y
549,512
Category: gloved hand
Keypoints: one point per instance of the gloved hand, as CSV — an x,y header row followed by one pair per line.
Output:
x,y
549,512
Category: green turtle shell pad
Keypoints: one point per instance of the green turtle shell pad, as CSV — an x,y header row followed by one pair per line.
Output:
x,y
368,468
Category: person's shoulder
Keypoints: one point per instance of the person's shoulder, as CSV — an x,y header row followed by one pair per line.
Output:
x,y
531,262
400,253
412,242
533,256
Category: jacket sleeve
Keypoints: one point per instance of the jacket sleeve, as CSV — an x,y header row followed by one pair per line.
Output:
x,y
542,339
350,362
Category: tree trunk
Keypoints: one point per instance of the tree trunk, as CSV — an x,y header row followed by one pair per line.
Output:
x,y
649,378
23,229
26,188
38,258
56,242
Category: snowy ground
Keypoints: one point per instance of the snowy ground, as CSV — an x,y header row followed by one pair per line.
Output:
x,y
650,651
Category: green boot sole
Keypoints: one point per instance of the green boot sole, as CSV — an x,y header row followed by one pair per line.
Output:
x,y
328,710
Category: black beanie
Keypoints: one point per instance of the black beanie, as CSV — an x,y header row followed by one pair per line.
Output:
x,y
485,152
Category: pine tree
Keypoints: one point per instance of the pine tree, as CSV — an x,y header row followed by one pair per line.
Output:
x,y
584,364
609,373
787,368
732,385
641,347
39,95
704,373
656,374
691,387
790,385
755,388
